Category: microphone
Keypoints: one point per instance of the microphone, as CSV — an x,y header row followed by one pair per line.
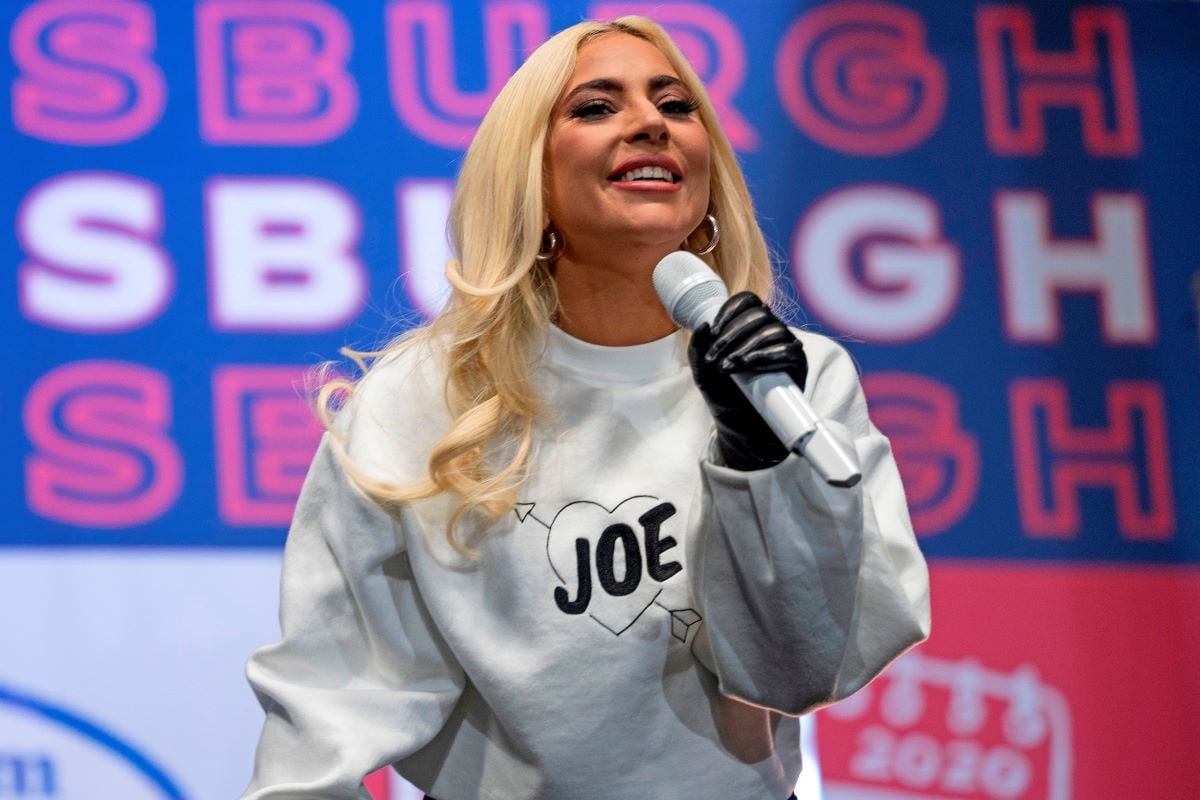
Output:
x,y
692,293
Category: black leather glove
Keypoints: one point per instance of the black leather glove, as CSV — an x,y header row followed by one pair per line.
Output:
x,y
747,337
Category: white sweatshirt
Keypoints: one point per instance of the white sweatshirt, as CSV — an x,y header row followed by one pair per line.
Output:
x,y
521,675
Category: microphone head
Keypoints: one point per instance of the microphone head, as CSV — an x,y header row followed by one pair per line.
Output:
x,y
688,288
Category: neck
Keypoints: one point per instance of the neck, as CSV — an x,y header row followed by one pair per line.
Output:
x,y
611,301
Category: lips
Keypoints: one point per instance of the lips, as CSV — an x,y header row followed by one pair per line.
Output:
x,y
660,170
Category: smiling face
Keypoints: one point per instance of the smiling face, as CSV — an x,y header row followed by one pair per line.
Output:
x,y
627,158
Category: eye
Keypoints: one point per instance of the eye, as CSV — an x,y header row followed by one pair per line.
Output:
x,y
591,109
678,107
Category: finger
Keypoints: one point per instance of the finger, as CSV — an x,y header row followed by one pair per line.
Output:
x,y
774,357
786,357
734,306
738,331
764,335
702,337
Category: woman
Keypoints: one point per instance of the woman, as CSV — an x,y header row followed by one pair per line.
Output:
x,y
522,565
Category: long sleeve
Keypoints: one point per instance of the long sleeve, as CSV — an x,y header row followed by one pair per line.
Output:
x,y
361,677
809,591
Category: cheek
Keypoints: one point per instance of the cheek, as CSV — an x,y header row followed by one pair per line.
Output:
x,y
556,169
570,149
699,154
705,175
567,162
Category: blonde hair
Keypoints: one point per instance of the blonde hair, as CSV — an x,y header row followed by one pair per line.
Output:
x,y
502,299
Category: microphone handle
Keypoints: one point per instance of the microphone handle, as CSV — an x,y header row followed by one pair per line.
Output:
x,y
783,406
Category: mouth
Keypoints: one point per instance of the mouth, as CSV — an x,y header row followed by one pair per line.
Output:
x,y
647,170
648,174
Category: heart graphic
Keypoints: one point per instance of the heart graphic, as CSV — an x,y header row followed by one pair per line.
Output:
x,y
617,588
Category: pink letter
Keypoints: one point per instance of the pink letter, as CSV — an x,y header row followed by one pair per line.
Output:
x,y
938,460
871,261
86,74
1100,88
95,264
282,255
1114,264
857,78
378,784
273,72
1054,459
266,437
102,457
421,64
699,29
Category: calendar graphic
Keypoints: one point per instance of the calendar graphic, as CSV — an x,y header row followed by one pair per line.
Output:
x,y
932,728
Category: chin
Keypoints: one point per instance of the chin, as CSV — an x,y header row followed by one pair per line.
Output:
x,y
665,240
651,230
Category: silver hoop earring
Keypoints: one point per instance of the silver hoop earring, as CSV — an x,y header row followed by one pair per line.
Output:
x,y
556,246
716,236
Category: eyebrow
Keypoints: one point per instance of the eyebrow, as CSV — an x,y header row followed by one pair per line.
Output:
x,y
610,85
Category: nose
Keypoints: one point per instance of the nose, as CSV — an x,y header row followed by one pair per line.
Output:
x,y
647,124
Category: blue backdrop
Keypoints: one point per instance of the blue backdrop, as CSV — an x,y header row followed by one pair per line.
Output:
x,y
991,205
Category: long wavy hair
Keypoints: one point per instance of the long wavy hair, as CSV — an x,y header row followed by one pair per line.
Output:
x,y
502,298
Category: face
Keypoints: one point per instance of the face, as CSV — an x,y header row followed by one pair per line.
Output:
x,y
627,157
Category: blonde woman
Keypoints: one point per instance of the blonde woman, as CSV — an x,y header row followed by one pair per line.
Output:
x,y
546,549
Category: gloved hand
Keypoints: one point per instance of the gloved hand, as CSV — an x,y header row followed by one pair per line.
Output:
x,y
746,337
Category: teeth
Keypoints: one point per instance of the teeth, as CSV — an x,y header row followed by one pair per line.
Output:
x,y
648,173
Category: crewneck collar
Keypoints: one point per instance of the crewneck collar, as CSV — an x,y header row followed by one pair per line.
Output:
x,y
634,363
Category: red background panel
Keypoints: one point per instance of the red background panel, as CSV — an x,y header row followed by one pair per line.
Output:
x,y
1119,644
